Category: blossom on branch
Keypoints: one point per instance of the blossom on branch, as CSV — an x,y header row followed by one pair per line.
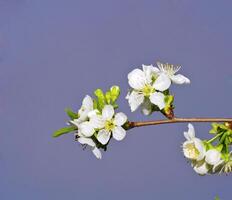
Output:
x,y
150,88
212,156
170,70
193,148
96,122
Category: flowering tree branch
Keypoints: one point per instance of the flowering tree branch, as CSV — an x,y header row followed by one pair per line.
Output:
x,y
177,120
96,122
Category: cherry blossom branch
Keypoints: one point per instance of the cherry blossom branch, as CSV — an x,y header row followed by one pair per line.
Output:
x,y
178,120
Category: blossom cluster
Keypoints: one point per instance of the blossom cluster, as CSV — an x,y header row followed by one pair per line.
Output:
x,y
212,156
96,121
150,88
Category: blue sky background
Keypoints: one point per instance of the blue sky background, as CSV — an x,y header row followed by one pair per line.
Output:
x,y
53,53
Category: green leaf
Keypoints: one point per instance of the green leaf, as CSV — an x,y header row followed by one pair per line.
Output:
x,y
64,131
115,92
215,128
71,114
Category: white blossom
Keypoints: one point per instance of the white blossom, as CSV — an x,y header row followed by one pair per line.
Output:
x,y
147,84
213,157
170,71
84,112
109,123
193,148
201,168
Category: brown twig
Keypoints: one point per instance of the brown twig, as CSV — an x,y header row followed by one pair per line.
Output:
x,y
177,120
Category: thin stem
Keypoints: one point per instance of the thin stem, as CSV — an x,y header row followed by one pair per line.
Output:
x,y
214,138
177,120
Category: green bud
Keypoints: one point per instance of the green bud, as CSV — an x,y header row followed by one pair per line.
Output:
x,y
95,105
115,92
168,110
108,97
100,98
169,100
99,94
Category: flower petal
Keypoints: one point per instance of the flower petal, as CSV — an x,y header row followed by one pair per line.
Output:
x,y
103,136
201,169
97,121
86,129
75,122
135,100
188,154
200,147
191,132
87,141
162,83
146,107
157,98
97,153
180,79
87,102
212,156
150,72
83,114
107,112
119,133
93,113
120,119
137,79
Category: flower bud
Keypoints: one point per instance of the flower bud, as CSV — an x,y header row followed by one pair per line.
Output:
x,y
212,156
201,168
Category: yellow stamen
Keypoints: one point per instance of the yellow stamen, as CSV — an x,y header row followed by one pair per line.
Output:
x,y
191,151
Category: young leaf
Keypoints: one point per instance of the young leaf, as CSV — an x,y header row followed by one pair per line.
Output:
x,y
71,114
215,128
64,131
